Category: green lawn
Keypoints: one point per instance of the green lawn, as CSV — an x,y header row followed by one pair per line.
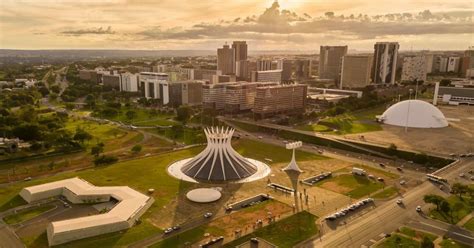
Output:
x,y
449,243
187,136
470,224
284,233
386,193
397,241
144,118
27,215
416,234
190,236
360,186
460,207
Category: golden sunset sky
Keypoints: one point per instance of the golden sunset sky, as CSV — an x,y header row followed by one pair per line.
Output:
x,y
207,24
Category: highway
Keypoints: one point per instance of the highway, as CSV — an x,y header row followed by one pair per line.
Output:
x,y
388,216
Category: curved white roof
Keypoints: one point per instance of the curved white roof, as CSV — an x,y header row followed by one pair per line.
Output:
x,y
414,113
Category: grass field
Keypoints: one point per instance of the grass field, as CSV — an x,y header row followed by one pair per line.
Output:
x,y
449,243
26,215
351,185
460,208
284,233
416,234
470,224
386,193
144,118
397,241
357,122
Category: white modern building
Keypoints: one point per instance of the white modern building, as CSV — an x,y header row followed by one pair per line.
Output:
x,y
453,64
414,113
154,85
129,82
130,206
414,68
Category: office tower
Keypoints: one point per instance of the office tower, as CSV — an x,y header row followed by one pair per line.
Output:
x,y
154,85
277,99
225,60
185,93
355,71
240,50
429,62
385,62
264,65
414,68
302,69
266,76
129,82
242,69
330,58
213,96
453,64
443,64
285,66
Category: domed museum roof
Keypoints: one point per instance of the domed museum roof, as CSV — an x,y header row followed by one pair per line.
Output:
x,y
414,113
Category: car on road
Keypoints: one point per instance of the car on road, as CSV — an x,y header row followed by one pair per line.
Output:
x,y
176,228
168,230
399,201
403,182
260,137
418,209
66,205
371,176
208,215
399,169
380,179
382,165
27,179
462,175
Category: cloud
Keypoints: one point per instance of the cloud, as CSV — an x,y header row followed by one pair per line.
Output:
x,y
91,31
273,24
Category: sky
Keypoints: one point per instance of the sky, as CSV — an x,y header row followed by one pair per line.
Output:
x,y
207,24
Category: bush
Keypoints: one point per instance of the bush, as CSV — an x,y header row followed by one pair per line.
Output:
x,y
105,159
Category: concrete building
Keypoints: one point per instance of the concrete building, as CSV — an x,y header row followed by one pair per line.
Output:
x,y
185,93
286,66
242,70
355,71
266,76
453,64
443,64
414,68
264,65
241,96
90,75
453,95
225,60
111,81
205,74
465,66
216,79
131,205
385,62
213,96
429,62
302,69
154,85
330,61
159,68
272,100
129,82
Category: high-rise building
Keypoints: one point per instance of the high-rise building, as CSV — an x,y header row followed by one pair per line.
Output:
x,y
302,69
385,62
129,82
264,65
355,71
330,58
429,62
213,96
443,64
242,69
290,98
453,64
266,76
225,60
414,68
185,93
285,65
240,50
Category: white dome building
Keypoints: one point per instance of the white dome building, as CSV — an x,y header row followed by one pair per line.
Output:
x,y
414,113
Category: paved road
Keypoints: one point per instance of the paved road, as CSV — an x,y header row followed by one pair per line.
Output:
x,y
387,217
8,238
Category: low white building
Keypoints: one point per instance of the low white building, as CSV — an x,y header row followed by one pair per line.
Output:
x,y
155,86
129,82
131,205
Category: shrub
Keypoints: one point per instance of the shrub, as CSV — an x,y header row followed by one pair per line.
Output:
x,y
104,160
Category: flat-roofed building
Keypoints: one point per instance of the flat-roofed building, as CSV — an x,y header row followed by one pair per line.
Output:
x,y
286,66
111,81
241,96
453,95
330,61
385,62
154,85
205,74
90,75
264,64
302,68
272,100
129,82
225,60
414,68
185,93
242,69
453,64
355,72
266,76
130,206
213,96
223,79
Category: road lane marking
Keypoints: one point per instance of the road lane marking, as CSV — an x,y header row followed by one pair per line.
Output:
x,y
439,228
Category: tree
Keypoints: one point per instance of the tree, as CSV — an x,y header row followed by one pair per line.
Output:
x,y
445,82
28,132
97,149
459,188
136,149
183,113
82,135
104,159
131,114
445,208
434,199
427,243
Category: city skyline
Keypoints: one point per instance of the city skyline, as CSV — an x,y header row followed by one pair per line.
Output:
x,y
286,25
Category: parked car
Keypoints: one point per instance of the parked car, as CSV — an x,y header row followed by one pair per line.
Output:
x,y
418,209
208,215
168,230
399,201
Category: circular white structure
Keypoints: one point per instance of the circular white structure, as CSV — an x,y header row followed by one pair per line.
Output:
x,y
204,195
414,113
